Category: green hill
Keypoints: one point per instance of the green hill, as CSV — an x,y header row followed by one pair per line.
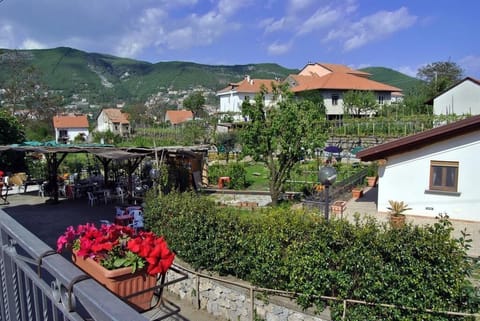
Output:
x,y
105,78
392,77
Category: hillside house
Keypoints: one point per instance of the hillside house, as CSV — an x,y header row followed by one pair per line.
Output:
x,y
232,97
68,128
112,119
434,171
463,98
176,117
333,80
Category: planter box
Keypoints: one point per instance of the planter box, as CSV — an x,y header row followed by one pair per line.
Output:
x,y
357,193
121,282
338,207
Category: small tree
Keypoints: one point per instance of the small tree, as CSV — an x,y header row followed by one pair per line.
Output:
x,y
278,136
194,103
227,141
359,103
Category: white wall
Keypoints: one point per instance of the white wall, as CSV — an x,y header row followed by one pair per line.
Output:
x,y
72,133
338,109
231,102
461,99
103,123
405,177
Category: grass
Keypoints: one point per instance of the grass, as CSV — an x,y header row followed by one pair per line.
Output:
x,y
257,175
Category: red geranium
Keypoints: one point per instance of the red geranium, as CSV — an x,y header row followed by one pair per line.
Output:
x,y
115,246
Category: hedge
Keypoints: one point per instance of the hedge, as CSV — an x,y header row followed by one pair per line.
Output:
x,y
296,250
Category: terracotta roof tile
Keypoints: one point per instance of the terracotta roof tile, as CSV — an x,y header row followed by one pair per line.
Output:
x,y
178,116
250,85
422,139
339,81
344,69
70,121
116,115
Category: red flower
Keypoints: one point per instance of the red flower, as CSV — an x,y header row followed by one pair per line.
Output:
x,y
110,242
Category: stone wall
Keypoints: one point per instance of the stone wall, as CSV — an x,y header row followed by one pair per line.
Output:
x,y
233,302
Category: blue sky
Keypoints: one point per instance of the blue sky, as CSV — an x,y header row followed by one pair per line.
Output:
x,y
402,35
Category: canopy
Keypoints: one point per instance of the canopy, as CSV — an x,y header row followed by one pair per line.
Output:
x,y
332,149
356,149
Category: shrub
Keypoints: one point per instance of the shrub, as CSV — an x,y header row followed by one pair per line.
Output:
x,y
418,267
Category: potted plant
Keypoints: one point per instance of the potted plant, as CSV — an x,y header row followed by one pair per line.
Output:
x,y
115,255
397,208
357,191
372,174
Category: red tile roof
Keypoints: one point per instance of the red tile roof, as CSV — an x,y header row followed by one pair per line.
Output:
x,y
178,116
70,121
250,85
116,115
344,69
339,81
422,139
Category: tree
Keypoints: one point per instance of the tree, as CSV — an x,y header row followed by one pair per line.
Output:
x,y
11,132
278,136
195,103
439,76
359,103
226,142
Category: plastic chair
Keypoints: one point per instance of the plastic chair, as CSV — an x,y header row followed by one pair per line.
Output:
x,y
91,198
137,214
119,194
41,189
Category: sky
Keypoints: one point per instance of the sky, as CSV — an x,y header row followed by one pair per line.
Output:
x,y
402,35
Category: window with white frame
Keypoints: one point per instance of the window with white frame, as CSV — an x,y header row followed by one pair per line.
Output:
x,y
443,176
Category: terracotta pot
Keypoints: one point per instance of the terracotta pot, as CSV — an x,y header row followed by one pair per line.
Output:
x,y
357,193
371,181
397,221
121,282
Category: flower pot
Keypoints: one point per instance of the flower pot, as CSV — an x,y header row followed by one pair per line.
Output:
x,y
121,282
371,181
357,192
397,221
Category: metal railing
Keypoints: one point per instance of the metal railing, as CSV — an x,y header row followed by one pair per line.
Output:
x,y
39,284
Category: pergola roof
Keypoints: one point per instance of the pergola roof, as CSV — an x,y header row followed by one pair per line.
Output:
x,y
104,151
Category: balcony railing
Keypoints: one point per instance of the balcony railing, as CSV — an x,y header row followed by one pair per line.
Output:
x,y
39,284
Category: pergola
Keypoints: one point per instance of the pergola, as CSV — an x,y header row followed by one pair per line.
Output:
x,y
56,153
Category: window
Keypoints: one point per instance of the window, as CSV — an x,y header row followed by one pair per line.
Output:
x,y
381,100
334,100
443,176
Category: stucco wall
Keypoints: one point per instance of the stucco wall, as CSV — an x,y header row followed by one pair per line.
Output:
x,y
405,177
461,99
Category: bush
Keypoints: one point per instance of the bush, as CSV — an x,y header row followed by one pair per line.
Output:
x,y
236,172
418,267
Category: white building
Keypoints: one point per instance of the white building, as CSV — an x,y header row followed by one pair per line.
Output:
x,y
232,97
463,98
68,128
434,172
332,81
112,119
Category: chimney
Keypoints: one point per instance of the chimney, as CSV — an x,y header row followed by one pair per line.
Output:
x,y
247,78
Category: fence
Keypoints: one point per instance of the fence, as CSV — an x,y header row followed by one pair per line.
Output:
x,y
39,284
254,293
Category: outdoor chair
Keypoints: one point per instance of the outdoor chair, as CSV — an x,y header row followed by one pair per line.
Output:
x,y
92,199
119,194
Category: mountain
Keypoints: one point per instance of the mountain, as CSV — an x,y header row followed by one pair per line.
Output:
x,y
106,78
392,78
103,77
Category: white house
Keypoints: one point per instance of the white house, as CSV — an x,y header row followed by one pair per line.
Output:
x,y
434,172
67,128
112,119
333,80
232,97
463,98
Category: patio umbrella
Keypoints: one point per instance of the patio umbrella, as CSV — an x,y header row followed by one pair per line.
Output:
x,y
332,149
356,149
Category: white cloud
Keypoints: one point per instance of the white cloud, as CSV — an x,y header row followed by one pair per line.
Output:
x,y
471,65
298,5
6,36
372,28
272,25
279,48
321,18
32,44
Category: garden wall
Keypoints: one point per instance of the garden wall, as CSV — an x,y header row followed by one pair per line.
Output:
x,y
233,302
